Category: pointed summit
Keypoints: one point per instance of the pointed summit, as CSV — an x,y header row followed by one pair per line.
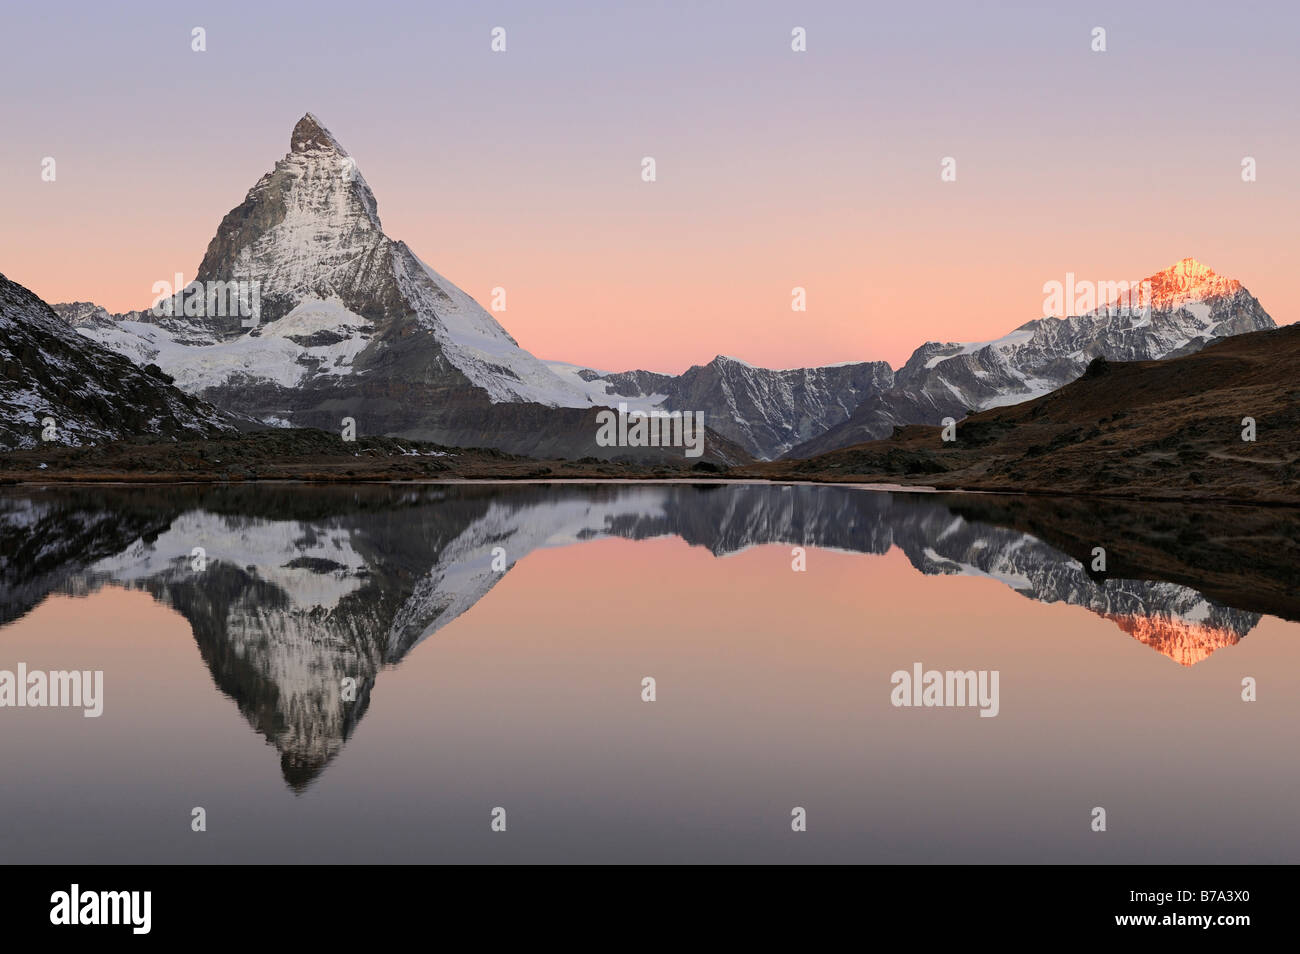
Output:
x,y
350,319
309,227
1190,267
1188,271
1189,280
309,135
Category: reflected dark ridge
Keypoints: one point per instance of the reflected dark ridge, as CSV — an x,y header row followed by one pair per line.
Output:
x,y
305,586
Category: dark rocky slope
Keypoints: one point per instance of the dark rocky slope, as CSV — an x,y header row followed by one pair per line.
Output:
x,y
1169,428
49,371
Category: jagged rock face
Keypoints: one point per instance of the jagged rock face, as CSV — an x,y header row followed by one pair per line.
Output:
x,y
807,411
351,323
128,333
768,412
764,411
1190,306
84,314
308,229
1187,282
48,370
635,383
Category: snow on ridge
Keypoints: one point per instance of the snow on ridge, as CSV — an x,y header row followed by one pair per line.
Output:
x,y
463,573
477,344
264,548
327,246
1201,312
802,367
1008,341
596,389
1034,388
270,355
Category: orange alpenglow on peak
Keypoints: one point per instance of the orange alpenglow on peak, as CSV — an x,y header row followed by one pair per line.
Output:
x,y
1189,280
1186,643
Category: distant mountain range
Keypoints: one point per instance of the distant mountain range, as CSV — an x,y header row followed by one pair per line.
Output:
x,y
1190,307
353,324
806,411
764,411
1221,422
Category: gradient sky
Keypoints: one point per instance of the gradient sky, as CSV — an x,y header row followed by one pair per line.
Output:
x,y
775,168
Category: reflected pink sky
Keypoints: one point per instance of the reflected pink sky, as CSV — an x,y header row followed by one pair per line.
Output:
x,y
773,691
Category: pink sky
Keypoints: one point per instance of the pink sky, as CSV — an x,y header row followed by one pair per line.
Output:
x,y
775,169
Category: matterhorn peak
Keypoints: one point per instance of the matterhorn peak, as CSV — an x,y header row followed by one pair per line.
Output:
x,y
309,135
347,311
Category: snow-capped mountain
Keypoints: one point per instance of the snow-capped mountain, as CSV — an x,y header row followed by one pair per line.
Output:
x,y
351,322
765,411
309,232
50,373
804,411
1187,307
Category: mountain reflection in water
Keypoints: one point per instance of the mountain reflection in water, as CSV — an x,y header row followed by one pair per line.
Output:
x,y
305,587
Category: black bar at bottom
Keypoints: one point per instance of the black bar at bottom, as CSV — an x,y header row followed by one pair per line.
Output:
x,y
363,903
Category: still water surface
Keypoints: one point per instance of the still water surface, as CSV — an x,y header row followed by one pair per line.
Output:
x,y
521,688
